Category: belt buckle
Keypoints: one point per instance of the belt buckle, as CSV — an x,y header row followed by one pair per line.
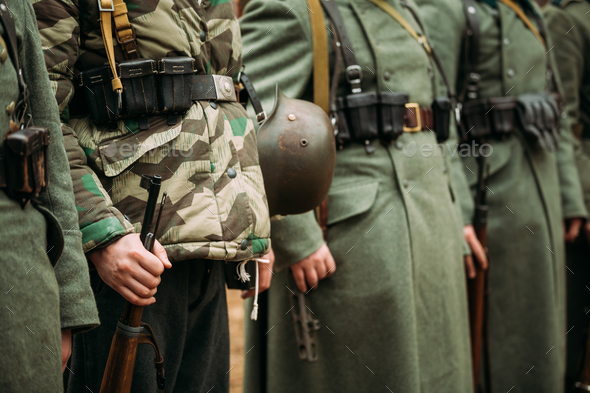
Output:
x,y
224,87
112,9
416,107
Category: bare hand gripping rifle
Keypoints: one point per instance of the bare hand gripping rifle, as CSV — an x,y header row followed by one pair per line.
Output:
x,y
131,332
478,287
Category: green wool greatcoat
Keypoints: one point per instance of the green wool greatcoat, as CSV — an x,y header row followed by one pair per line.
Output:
x,y
394,314
530,192
569,27
43,272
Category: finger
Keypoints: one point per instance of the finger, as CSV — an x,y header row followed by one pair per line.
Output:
x,y
469,266
265,279
149,262
139,289
134,299
146,278
478,251
311,276
573,230
330,266
299,277
160,252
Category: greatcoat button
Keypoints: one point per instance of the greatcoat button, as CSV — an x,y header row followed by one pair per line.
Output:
x,y
231,172
203,36
387,75
10,108
506,41
510,72
405,182
399,145
244,244
213,105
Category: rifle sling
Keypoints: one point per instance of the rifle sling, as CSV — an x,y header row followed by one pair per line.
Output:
x,y
321,61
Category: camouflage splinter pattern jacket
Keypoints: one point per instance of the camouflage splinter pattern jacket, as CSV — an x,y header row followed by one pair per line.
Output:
x,y
216,206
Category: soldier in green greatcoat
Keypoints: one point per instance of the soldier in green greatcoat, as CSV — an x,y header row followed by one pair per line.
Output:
x,y
393,313
531,190
46,294
568,23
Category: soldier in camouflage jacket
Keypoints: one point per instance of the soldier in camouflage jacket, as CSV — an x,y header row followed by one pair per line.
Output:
x,y
216,207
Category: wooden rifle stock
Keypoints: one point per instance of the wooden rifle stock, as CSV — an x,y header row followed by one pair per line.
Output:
x,y
118,373
477,289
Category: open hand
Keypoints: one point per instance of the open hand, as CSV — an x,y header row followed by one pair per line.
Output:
x,y
130,269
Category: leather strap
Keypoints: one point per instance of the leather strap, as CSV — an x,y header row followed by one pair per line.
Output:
x,y
10,30
418,118
520,13
321,61
260,113
470,51
106,8
354,72
124,30
385,6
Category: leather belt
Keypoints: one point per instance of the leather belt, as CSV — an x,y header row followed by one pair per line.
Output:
x,y
213,87
418,118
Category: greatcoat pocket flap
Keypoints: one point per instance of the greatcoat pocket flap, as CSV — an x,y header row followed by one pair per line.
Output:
x,y
350,200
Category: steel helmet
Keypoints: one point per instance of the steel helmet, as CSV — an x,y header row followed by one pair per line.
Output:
x,y
297,154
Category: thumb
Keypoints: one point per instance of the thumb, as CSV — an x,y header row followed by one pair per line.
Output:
x,y
160,252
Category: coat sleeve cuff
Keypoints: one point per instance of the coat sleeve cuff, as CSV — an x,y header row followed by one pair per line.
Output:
x,y
295,238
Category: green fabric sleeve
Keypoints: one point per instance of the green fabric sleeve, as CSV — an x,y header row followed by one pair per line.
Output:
x,y
566,58
282,24
294,238
77,306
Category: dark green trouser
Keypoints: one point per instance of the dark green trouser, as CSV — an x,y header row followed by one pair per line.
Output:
x,y
578,307
189,320
30,338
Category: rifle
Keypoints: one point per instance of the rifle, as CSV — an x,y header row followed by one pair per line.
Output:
x,y
118,374
583,383
478,288
305,326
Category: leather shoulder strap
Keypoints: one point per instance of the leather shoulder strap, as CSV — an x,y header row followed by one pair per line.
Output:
x,y
470,51
321,61
522,15
354,73
10,32
106,8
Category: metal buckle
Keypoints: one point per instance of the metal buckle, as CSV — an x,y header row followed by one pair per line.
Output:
x,y
261,117
112,9
349,70
416,107
224,87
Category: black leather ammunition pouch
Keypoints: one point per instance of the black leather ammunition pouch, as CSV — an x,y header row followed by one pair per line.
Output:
x,y
488,118
98,90
392,110
175,86
539,117
357,114
139,89
441,113
25,161
233,280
